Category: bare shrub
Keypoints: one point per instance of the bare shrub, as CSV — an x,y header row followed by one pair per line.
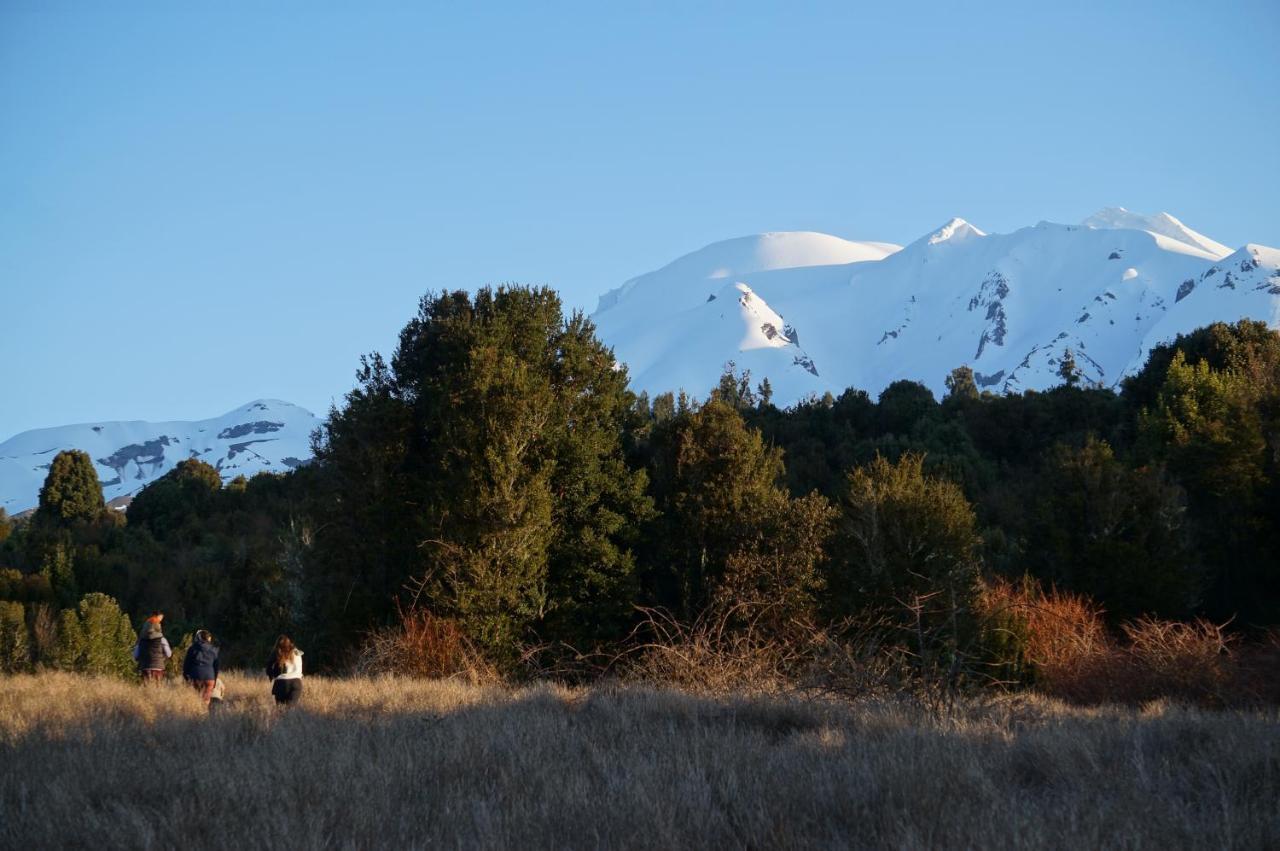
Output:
x,y
423,644
1170,659
1067,652
44,633
1052,638
740,650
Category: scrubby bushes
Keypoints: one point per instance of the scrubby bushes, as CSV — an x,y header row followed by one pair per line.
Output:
x,y
95,637
1059,642
15,642
422,644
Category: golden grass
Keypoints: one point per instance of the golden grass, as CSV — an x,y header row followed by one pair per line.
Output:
x,y
369,762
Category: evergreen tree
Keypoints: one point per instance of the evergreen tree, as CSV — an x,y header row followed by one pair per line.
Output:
x,y
734,389
95,638
1068,371
492,450
764,391
1092,514
664,407
904,534
176,499
728,531
58,569
1207,426
71,491
961,384
902,405
1246,348
774,571
15,643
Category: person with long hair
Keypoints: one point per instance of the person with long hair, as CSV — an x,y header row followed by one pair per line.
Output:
x,y
200,668
285,671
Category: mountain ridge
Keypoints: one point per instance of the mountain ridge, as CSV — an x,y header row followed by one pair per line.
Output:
x,y
1008,305
265,435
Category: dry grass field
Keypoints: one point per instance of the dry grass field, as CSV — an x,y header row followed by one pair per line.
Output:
x,y
366,763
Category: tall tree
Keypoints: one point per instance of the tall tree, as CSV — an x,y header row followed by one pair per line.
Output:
x,y
179,496
1207,425
1115,533
1068,370
492,446
961,384
71,490
729,532
903,534
902,405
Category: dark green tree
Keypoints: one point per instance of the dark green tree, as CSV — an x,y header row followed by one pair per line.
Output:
x,y
185,493
492,450
764,392
15,640
711,476
904,534
1246,348
58,569
1209,427
71,491
1068,371
961,384
1117,534
903,404
95,638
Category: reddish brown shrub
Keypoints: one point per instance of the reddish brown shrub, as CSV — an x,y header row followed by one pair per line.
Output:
x,y
424,645
1057,641
1053,638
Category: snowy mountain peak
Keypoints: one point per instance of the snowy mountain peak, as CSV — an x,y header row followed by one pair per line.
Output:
x,y
1007,305
955,231
734,258
1160,225
265,435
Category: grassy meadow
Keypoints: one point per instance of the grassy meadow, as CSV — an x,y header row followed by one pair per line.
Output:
x,y
404,763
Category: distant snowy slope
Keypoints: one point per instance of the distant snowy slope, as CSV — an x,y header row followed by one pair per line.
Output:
x,y
1161,224
815,313
263,436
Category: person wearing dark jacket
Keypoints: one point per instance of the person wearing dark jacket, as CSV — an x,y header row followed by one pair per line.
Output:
x,y
200,668
152,650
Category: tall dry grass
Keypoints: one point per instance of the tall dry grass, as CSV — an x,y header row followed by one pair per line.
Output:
x,y
398,763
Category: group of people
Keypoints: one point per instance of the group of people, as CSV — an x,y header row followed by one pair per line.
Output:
x,y
201,669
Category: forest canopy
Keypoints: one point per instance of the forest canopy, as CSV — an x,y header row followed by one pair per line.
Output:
x,y
497,472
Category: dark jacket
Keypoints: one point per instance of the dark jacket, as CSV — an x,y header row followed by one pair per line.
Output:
x,y
151,653
152,648
201,662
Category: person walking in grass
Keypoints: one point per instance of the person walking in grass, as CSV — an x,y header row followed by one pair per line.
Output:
x,y
285,671
152,649
200,668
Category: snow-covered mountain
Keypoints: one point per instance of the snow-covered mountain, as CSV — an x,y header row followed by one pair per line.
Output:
x,y
263,436
813,312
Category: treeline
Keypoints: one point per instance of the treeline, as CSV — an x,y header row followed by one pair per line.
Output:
x,y
496,473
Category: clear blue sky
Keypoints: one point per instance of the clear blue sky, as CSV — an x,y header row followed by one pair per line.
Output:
x,y
198,208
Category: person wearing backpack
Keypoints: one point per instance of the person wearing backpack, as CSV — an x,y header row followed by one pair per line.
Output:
x,y
285,670
152,649
200,668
